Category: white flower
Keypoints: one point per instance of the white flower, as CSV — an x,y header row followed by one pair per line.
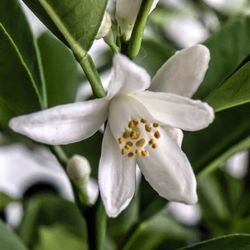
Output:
x,y
144,127
125,12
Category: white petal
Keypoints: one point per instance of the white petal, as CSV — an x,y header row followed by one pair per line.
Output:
x,y
93,191
183,73
168,171
127,77
63,124
105,26
116,176
177,111
126,13
111,7
123,109
175,134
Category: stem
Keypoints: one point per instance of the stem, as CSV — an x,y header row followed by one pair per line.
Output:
x,y
138,30
63,159
96,221
92,75
109,39
101,225
95,216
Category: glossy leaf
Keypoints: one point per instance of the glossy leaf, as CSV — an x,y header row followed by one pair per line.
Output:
x,y
214,144
217,162
153,232
48,210
228,47
233,92
8,240
221,198
77,21
230,242
60,70
58,237
153,54
5,200
21,85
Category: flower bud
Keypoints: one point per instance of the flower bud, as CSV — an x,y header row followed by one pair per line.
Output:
x,y
105,26
78,169
126,14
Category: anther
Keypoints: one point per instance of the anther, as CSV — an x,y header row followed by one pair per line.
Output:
x,y
151,141
134,135
129,143
140,143
157,134
127,147
143,120
138,152
124,151
126,134
154,145
148,128
120,140
145,153
155,125
132,124
135,122
130,154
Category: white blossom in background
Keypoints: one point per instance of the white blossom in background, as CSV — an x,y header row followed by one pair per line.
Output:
x,y
186,30
237,165
228,6
144,127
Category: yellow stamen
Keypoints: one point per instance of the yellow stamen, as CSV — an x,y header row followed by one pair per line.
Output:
x,y
157,134
145,153
130,154
148,128
140,143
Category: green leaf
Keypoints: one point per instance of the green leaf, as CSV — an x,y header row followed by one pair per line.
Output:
x,y
58,237
8,240
229,242
153,232
228,47
220,160
48,210
5,200
220,198
153,54
213,145
78,21
21,85
119,226
233,92
60,70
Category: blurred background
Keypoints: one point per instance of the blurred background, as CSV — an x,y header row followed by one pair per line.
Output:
x,y
27,168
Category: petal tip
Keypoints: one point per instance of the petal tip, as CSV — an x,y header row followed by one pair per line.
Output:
x,y
14,124
202,49
211,114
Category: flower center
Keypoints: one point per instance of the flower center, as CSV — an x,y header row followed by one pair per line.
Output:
x,y
136,136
